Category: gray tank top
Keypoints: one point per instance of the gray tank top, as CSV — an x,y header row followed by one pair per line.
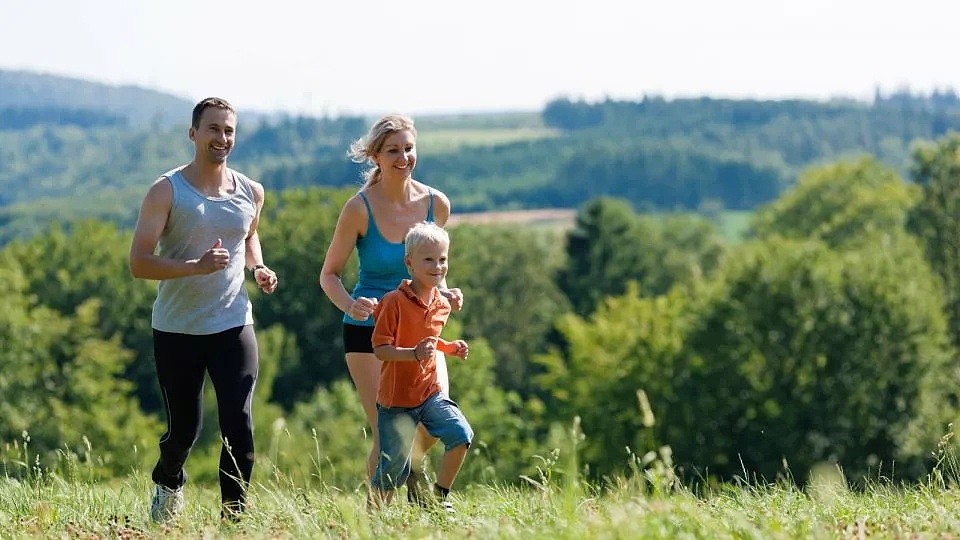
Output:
x,y
215,302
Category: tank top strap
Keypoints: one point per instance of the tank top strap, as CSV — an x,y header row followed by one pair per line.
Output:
x,y
367,203
430,209
371,221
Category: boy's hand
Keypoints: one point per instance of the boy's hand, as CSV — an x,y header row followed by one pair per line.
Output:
x,y
425,349
462,349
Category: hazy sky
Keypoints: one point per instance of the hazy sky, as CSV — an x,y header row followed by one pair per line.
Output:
x,y
372,56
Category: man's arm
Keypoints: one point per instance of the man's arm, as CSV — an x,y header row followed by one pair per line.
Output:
x,y
144,263
253,252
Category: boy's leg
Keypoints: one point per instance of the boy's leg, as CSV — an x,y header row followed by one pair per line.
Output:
x,y
424,441
233,371
444,420
450,466
180,371
396,426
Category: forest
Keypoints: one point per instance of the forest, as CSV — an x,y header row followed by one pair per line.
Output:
x,y
827,333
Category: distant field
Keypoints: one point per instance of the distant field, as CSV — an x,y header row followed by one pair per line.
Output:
x,y
447,140
550,217
732,224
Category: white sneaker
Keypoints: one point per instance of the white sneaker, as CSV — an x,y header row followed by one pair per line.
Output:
x,y
166,504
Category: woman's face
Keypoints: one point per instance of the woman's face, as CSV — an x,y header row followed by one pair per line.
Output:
x,y
398,155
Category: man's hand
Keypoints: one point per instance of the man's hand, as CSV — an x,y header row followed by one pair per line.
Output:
x,y
215,259
266,279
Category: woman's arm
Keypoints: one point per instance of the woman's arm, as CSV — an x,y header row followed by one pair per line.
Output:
x,y
349,227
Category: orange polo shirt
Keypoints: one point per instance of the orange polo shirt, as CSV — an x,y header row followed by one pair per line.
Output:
x,y
403,320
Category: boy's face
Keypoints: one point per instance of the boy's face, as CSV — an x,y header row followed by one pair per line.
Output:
x,y
427,264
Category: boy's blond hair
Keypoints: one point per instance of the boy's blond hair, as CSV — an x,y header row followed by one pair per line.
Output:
x,y
424,233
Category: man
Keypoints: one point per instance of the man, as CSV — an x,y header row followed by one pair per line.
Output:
x,y
196,232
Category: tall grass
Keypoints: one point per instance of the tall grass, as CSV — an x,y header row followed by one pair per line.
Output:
x,y
67,499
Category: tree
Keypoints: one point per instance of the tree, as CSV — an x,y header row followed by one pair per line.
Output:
x,y
61,385
793,351
841,204
936,218
510,299
68,265
610,246
296,228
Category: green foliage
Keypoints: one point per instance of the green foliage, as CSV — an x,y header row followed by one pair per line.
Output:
x,y
611,246
812,355
66,267
507,427
629,343
510,298
138,106
841,203
936,218
62,387
793,352
664,155
296,228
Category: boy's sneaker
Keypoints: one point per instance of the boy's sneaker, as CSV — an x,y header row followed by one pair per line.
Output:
x,y
166,504
447,506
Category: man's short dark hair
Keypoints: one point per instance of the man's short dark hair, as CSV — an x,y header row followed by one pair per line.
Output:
x,y
219,103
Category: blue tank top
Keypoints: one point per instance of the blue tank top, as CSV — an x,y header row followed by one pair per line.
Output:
x,y
381,262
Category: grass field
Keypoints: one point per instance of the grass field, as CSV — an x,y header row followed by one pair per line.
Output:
x,y
641,507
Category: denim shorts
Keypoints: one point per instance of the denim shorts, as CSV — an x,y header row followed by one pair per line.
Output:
x,y
397,425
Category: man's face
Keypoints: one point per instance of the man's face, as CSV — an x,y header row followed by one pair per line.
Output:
x,y
214,138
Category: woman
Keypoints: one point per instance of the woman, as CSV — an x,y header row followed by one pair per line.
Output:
x,y
374,222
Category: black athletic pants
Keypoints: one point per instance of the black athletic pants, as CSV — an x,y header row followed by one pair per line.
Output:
x,y
230,357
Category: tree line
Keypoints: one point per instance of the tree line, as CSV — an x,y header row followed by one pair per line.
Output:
x,y
658,154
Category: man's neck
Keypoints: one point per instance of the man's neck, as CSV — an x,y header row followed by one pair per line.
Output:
x,y
206,175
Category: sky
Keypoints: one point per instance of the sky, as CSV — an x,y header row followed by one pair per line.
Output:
x,y
373,56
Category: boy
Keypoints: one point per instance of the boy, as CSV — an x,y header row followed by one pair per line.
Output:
x,y
405,337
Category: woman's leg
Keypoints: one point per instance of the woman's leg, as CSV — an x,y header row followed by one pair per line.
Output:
x,y
365,371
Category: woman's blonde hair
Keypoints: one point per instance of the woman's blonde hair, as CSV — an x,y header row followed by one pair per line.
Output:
x,y
362,150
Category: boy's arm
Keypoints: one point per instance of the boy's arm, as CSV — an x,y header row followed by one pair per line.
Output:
x,y
453,348
446,347
389,353
386,328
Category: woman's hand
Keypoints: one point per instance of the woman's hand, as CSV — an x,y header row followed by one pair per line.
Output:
x,y
455,297
361,308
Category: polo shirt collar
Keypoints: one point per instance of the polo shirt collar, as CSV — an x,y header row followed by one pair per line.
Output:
x,y
407,289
